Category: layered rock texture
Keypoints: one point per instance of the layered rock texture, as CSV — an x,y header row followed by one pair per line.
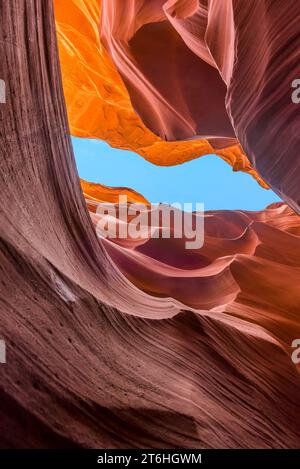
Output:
x,y
99,104
117,344
217,70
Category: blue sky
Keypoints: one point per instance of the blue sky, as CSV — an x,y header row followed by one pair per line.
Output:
x,y
207,179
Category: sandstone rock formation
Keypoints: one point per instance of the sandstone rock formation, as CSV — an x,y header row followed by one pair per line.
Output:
x,y
103,348
98,102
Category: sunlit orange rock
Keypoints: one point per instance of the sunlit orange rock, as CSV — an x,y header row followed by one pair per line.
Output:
x,y
95,193
217,70
98,102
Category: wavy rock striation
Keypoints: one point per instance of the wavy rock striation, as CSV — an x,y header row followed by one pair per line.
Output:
x,y
97,360
98,102
218,70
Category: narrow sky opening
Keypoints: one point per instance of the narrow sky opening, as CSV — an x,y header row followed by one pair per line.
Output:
x,y
207,179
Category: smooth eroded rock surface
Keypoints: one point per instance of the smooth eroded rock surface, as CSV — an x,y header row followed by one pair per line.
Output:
x,y
96,359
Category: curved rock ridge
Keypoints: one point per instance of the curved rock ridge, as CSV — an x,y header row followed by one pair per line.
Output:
x,y
98,102
207,277
217,70
97,360
177,94
98,193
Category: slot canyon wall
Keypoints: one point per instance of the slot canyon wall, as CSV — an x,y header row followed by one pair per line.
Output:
x,y
146,346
